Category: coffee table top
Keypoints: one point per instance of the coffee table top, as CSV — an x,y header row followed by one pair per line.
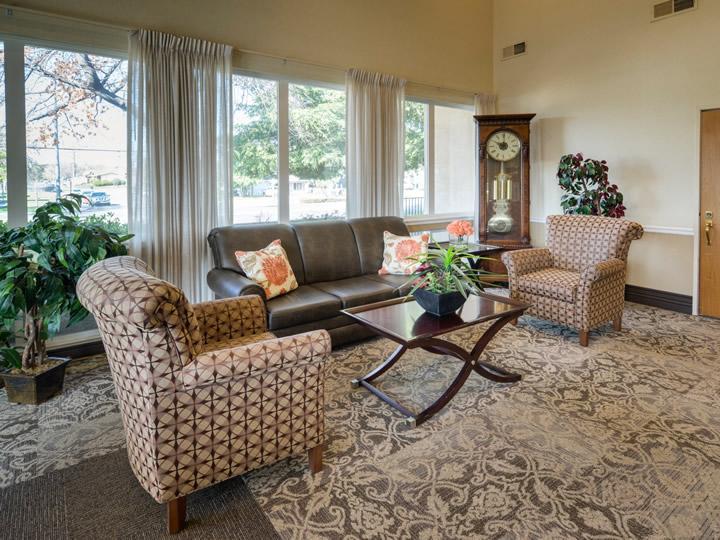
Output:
x,y
404,321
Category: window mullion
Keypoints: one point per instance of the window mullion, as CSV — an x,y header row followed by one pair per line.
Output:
x,y
430,160
283,152
15,132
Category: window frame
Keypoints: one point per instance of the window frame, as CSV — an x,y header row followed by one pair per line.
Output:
x,y
15,121
283,101
430,217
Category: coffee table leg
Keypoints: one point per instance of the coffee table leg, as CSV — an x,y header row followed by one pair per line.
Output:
x,y
439,346
382,368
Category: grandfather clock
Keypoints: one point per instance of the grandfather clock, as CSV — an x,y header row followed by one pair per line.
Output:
x,y
504,153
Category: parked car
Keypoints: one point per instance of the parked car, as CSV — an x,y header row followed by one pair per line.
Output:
x,y
98,198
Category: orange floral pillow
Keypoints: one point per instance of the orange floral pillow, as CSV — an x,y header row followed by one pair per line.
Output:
x,y
398,253
270,268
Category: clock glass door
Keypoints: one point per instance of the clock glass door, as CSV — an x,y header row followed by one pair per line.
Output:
x,y
504,174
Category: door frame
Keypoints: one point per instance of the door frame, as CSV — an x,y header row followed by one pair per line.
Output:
x,y
698,209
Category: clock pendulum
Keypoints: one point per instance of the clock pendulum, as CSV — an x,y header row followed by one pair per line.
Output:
x,y
501,222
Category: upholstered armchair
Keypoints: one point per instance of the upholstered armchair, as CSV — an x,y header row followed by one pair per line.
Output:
x,y
579,279
205,392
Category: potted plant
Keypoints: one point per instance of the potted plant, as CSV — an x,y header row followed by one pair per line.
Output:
x,y
40,264
587,188
444,279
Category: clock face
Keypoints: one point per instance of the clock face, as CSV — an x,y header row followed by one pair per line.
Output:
x,y
503,146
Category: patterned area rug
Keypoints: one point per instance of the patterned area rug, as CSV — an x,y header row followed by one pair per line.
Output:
x,y
617,440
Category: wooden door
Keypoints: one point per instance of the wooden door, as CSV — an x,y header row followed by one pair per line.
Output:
x,y
709,303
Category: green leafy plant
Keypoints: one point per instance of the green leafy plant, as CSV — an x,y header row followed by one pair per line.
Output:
x,y
40,264
445,270
107,221
587,188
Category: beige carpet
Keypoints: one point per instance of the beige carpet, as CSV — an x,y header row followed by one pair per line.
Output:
x,y
618,440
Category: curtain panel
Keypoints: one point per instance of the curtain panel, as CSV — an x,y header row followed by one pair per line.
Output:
x,y
485,103
375,143
179,153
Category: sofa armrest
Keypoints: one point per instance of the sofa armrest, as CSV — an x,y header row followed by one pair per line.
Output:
x,y
602,270
241,362
525,261
229,318
228,284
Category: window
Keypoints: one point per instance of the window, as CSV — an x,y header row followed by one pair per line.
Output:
x,y
303,179
255,141
317,153
414,180
439,161
454,161
75,117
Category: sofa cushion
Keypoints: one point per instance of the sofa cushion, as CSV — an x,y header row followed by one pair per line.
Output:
x,y
225,241
550,283
270,268
400,256
369,237
357,291
304,304
328,249
399,283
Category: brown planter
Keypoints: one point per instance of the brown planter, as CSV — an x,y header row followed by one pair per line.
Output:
x,y
35,389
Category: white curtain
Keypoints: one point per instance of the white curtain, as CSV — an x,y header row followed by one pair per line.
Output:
x,y
375,143
179,153
484,104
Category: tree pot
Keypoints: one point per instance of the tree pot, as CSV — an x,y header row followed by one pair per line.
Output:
x,y
439,304
35,389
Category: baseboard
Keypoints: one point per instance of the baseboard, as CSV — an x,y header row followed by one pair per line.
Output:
x,y
79,350
682,303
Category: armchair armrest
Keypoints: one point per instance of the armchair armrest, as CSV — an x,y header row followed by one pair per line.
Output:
x,y
227,283
602,270
237,363
229,318
525,261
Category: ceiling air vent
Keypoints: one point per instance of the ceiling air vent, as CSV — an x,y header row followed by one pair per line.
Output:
x,y
511,51
672,7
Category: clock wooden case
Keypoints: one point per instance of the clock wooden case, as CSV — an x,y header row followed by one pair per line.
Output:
x,y
504,154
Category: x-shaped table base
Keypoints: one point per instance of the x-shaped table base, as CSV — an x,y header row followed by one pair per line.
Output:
x,y
440,346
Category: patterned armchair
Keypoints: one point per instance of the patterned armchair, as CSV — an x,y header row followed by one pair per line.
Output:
x,y
579,279
205,392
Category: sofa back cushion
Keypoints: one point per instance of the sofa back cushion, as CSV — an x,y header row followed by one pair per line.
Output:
x,y
225,241
328,249
369,237
580,241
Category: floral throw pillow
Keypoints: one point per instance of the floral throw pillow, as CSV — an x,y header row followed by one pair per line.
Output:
x,y
399,252
270,268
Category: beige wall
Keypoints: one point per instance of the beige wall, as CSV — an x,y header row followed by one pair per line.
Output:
x,y
607,82
445,43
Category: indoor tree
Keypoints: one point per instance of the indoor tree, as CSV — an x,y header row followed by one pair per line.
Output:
x,y
587,188
40,264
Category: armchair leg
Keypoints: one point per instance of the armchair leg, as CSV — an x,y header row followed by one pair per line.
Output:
x,y
617,323
176,515
584,338
514,322
315,458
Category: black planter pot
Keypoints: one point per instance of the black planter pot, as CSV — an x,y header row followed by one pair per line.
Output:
x,y
35,389
439,304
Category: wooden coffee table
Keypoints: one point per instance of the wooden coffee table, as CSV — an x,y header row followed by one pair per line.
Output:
x,y
405,322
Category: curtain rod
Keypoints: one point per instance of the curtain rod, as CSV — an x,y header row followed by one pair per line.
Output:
x,y
10,8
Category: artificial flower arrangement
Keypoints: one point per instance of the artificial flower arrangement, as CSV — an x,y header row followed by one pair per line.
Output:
x,y
445,278
460,230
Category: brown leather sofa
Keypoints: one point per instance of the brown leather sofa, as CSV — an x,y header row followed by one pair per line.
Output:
x,y
335,263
